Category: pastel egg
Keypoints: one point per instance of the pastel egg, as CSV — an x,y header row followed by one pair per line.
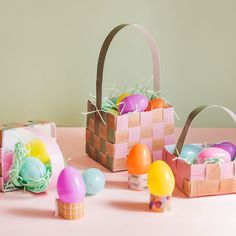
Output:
x,y
139,160
32,169
114,100
70,186
94,180
121,97
161,181
189,152
156,103
212,155
38,150
227,146
135,102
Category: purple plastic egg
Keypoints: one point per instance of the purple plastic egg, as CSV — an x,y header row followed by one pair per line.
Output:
x,y
227,146
70,186
134,102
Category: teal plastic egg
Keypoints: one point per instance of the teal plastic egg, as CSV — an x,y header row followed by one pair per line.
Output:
x,y
190,152
94,180
32,169
114,100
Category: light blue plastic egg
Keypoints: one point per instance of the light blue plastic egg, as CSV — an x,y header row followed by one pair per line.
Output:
x,y
32,169
114,100
94,180
189,152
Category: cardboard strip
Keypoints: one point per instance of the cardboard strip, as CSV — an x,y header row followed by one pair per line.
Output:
x,y
103,53
189,120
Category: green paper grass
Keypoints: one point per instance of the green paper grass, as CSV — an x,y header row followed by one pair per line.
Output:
x,y
15,180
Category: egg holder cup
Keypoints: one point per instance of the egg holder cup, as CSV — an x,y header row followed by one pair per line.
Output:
x,y
110,137
69,211
160,204
201,179
13,134
137,182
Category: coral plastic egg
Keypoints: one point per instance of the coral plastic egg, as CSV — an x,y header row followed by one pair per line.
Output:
x,y
139,160
32,169
213,154
156,103
94,180
161,181
135,102
70,186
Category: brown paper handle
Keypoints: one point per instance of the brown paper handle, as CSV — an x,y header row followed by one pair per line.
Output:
x,y
189,120
103,52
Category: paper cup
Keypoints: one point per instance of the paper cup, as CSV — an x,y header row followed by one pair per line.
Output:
x,y
70,211
160,204
137,182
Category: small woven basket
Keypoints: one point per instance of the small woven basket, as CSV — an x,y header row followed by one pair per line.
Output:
x,y
201,179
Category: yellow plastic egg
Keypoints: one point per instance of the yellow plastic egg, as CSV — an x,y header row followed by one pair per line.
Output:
x,y
161,181
121,97
38,150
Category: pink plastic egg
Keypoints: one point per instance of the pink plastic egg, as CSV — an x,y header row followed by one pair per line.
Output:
x,y
135,102
7,165
70,186
227,146
213,154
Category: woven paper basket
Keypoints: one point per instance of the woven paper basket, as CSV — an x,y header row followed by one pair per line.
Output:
x,y
109,141
201,179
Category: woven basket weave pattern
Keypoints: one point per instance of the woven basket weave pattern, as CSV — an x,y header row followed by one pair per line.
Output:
x,y
110,143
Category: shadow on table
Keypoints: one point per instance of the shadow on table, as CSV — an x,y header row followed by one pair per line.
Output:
x,y
86,162
21,195
129,206
111,184
31,213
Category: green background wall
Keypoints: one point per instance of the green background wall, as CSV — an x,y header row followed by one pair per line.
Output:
x,y
49,51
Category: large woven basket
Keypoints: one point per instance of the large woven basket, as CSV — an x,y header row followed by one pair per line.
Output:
x,y
108,140
201,179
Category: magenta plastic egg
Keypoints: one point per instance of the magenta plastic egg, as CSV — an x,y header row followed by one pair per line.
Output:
x,y
213,154
70,186
227,146
135,102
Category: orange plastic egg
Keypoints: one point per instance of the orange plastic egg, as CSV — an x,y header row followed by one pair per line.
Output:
x,y
139,160
156,103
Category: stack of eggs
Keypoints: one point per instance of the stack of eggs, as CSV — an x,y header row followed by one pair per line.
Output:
x,y
35,165
161,183
126,103
219,152
71,192
30,164
138,163
72,188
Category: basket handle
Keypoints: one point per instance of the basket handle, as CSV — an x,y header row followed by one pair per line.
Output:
x,y
103,52
189,120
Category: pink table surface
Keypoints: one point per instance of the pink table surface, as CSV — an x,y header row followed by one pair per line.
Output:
x,y
118,210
